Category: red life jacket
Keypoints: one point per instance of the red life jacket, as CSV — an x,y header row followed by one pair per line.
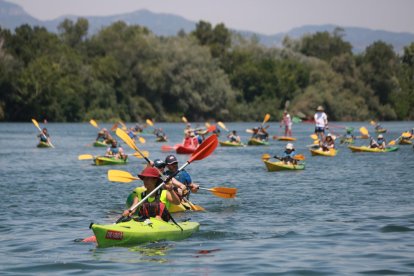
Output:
x,y
155,208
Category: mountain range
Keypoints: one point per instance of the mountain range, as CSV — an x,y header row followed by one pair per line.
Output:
x,y
12,16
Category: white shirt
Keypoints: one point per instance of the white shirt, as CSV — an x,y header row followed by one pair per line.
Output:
x,y
321,119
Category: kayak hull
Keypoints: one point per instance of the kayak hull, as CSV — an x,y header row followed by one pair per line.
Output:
x,y
103,160
257,142
43,145
184,150
285,138
100,144
281,166
381,130
161,139
319,152
405,142
368,149
231,144
134,232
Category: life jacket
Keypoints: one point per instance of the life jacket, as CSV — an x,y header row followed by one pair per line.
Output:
x,y
154,208
114,151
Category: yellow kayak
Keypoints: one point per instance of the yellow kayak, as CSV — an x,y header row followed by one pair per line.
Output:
x,y
282,166
284,138
368,149
405,142
330,153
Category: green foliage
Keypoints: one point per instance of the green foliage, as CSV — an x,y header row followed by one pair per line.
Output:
x,y
126,72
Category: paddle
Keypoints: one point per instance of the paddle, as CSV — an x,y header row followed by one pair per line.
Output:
x,y
184,119
299,157
125,137
149,122
93,123
223,126
41,132
249,131
124,127
203,151
404,134
266,118
364,131
90,156
169,148
223,192
314,136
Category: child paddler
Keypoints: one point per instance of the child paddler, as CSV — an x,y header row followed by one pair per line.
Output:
x,y
288,155
156,206
115,151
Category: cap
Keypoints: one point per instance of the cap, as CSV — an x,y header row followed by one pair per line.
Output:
x,y
320,108
149,172
158,163
289,146
380,136
171,159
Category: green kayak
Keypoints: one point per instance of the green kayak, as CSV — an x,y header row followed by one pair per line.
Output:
x,y
104,160
100,144
133,232
368,149
282,166
257,142
43,145
231,144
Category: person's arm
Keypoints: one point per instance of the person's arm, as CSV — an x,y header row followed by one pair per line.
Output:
x,y
171,194
126,212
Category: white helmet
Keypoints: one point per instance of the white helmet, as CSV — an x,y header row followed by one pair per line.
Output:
x,y
289,146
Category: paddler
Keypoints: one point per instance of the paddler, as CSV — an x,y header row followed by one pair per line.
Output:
x,y
379,143
287,122
183,176
328,143
321,122
233,137
103,136
115,151
44,136
288,155
156,206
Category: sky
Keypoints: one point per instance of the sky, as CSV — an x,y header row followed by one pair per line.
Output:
x,y
262,16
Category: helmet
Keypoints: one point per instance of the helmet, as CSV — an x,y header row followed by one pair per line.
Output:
x,y
158,163
149,172
319,108
380,136
289,146
171,159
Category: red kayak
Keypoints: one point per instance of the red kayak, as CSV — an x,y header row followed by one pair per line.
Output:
x,y
184,150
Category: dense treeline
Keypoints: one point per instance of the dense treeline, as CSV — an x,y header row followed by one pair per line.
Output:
x,y
126,72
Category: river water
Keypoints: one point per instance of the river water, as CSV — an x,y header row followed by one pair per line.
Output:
x,y
351,214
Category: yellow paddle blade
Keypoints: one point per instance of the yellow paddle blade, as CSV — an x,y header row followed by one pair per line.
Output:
x,y
406,134
121,176
193,206
184,119
223,126
224,192
314,136
149,122
363,130
372,123
266,156
85,157
125,137
299,157
144,152
316,141
36,123
391,143
93,123
266,118
141,140
207,124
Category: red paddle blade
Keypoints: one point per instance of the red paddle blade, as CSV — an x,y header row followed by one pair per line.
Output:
x,y
211,128
205,149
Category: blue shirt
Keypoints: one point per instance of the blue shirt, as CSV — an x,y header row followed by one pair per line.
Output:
x,y
182,176
286,154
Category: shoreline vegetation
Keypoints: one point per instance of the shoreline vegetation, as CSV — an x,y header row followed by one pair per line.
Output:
x,y
127,73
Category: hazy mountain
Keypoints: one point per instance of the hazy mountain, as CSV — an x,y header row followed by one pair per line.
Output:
x,y
12,16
